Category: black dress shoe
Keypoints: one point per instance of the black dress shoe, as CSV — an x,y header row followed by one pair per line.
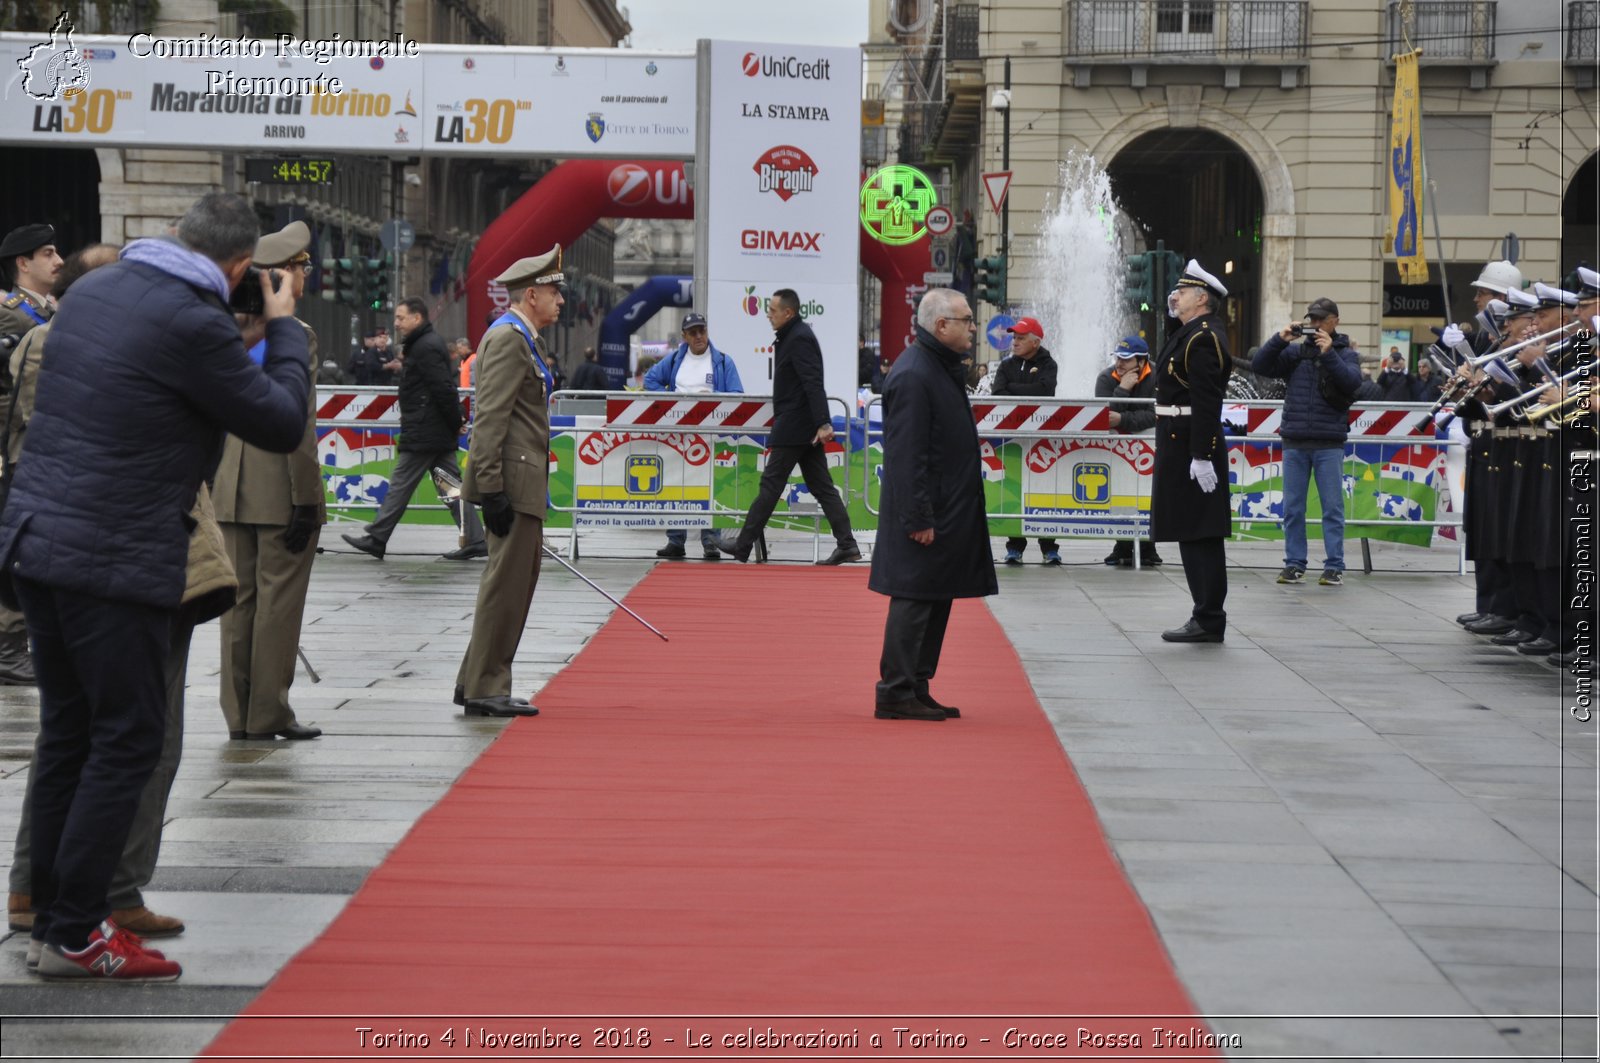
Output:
x,y
1471,618
732,549
1191,632
671,550
911,709
366,544
1563,660
1514,638
295,732
711,553
841,555
237,736
1539,647
470,552
949,710
460,697
1492,625
1151,560
499,705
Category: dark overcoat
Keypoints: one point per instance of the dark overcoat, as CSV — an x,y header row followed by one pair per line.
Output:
x,y
799,403
145,376
932,478
430,409
1191,371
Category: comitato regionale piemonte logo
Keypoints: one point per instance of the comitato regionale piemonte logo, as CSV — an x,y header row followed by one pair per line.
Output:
x,y
56,66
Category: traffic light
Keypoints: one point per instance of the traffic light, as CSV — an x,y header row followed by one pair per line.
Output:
x,y
339,280
1137,279
1168,267
991,280
375,293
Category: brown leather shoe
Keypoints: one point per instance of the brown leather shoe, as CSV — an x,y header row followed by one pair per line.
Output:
x,y
147,924
19,911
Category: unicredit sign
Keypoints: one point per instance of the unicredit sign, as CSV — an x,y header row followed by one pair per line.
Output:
x,y
631,185
768,240
784,66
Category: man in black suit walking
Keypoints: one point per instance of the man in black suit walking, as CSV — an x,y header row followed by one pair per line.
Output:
x,y
800,427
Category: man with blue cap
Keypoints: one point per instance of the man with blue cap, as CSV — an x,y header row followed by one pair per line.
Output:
x,y
695,368
1129,377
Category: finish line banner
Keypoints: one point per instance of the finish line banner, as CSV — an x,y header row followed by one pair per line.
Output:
x,y
392,97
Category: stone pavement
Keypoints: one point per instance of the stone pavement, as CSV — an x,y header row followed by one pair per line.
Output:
x,y
1351,808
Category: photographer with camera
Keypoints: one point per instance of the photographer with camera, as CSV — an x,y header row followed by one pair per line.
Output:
x,y
148,371
1323,374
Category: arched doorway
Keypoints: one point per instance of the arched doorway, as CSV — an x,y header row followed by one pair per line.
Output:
x,y
1198,193
1580,218
60,186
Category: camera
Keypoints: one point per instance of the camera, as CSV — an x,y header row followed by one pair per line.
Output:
x,y
1302,330
247,298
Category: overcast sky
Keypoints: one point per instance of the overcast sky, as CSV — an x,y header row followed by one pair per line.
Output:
x,y
674,25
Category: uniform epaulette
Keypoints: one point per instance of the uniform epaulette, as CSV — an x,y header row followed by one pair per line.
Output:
x,y
15,301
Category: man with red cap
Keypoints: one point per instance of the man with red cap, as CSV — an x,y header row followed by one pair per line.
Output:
x,y
1029,371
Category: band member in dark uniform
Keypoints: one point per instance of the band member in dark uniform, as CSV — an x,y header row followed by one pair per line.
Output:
x,y
1189,496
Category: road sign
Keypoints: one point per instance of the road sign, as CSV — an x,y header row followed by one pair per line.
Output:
x,y
940,255
999,338
397,234
996,184
939,221
938,280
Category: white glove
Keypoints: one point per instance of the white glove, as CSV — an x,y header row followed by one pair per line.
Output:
x,y
1203,473
1452,336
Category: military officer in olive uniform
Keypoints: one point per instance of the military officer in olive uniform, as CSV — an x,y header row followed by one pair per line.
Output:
x,y
506,475
271,510
30,263
1189,498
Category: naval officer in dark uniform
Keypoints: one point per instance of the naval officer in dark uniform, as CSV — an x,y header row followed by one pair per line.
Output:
x,y
1189,498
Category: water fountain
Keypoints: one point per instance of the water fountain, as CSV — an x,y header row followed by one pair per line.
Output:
x,y
1079,294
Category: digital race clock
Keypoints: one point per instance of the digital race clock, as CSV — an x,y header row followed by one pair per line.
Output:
x,y
289,171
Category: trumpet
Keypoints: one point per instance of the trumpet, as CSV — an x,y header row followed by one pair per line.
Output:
x,y
1564,411
1533,393
1506,352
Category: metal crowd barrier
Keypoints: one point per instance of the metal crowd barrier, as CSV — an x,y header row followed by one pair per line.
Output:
x,y
682,422
1086,421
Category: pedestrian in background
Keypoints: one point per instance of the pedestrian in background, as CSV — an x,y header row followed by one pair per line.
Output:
x,y
589,376
1323,374
1129,377
695,368
933,533
1030,370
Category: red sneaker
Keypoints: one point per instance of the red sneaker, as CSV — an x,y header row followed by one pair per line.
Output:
x,y
113,954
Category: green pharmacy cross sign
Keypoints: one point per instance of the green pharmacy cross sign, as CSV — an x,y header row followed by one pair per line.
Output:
x,y
895,202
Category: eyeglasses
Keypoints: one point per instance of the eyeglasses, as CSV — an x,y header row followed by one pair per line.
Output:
x,y
961,320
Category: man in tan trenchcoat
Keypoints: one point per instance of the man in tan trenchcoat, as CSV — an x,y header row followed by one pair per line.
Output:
x,y
271,508
507,476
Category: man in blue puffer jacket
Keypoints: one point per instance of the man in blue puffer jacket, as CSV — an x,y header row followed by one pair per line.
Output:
x,y
1323,375
147,373
695,368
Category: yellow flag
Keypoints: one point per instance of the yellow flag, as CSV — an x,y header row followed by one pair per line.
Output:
x,y
1405,173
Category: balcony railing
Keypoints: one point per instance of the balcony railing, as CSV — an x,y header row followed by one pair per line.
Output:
x,y
961,32
1178,29
1583,28
1450,31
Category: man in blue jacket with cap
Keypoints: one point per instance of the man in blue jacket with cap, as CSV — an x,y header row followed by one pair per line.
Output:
x,y
695,368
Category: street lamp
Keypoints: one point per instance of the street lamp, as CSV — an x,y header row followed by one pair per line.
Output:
x,y
1001,102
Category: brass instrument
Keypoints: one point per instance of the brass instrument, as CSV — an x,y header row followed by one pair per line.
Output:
x,y
1533,393
1563,411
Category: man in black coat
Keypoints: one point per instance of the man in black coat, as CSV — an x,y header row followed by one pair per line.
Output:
x,y
589,376
148,370
430,431
1189,496
1129,376
1030,370
800,427
933,532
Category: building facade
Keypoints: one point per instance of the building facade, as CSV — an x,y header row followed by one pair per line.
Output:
x,y
1255,133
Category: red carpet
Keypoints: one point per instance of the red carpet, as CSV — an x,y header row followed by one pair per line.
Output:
x,y
717,827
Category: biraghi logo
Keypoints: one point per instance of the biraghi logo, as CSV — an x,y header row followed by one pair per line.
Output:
x,y
785,66
785,170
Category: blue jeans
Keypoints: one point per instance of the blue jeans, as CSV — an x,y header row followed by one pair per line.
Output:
x,y
679,536
1298,467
